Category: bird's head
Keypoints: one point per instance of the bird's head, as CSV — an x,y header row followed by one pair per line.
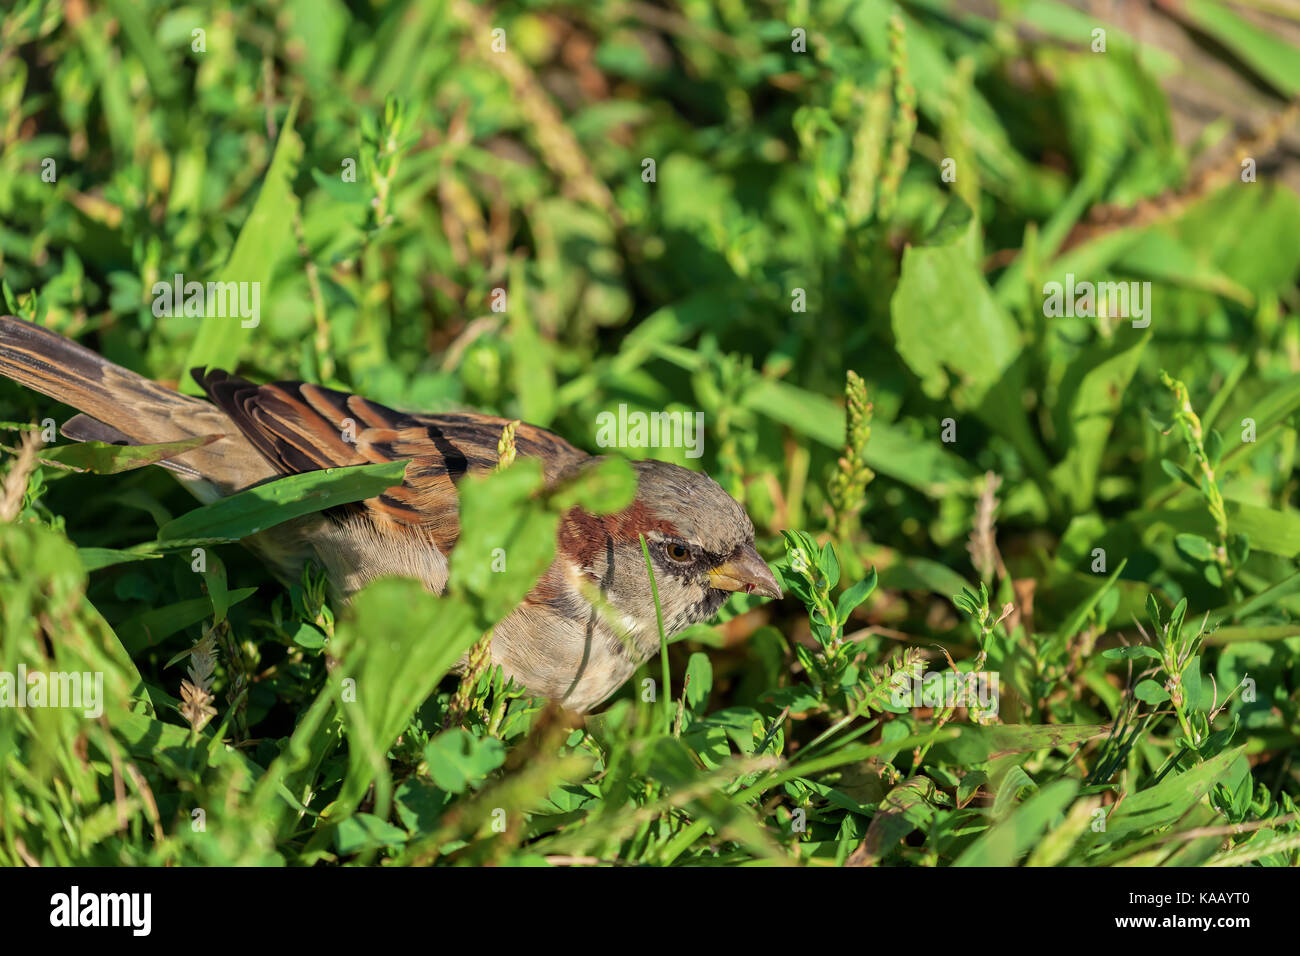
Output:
x,y
701,546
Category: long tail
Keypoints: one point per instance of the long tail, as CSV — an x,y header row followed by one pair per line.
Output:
x,y
122,406
74,375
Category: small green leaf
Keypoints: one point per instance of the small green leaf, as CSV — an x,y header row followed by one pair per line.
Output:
x,y
1153,610
855,595
1180,473
1214,447
969,784
699,681
608,487
364,831
1130,653
1194,547
830,565
457,759
1238,549
309,636
215,579
1150,692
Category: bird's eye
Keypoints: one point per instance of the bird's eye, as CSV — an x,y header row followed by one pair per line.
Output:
x,y
678,552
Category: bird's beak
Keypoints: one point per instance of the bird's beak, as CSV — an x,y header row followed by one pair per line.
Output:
x,y
745,571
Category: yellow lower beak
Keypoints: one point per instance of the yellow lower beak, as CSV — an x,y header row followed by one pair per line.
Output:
x,y
745,571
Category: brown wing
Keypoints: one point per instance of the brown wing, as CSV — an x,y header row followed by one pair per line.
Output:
x,y
301,427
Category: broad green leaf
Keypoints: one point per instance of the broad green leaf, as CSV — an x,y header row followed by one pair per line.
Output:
x,y
607,487
953,223
1056,845
509,527
1257,848
948,328
1268,529
339,190
1167,801
1179,473
534,378
969,785
1194,547
1267,212
1266,598
1007,841
92,559
1266,52
1089,398
309,636
264,506
1058,19
156,625
1158,255
1130,653
394,644
265,239
976,743
1013,782
507,539
1150,692
218,591
961,343
699,681
923,574
925,465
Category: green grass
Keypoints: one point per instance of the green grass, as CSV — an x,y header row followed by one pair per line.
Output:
x,y
948,479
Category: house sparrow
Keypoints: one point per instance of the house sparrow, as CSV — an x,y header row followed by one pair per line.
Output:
x,y
555,644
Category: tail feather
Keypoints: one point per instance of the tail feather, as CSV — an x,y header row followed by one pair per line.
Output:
x,y
119,405
74,375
